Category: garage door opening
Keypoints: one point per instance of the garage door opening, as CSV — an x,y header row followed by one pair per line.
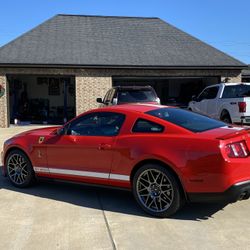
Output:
x,y
41,99
171,91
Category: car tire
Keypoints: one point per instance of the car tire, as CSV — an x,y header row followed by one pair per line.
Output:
x,y
157,191
225,117
19,169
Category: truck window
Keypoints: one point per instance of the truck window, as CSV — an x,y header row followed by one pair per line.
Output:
x,y
212,92
236,91
209,93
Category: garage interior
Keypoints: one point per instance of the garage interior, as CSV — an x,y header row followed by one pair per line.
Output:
x,y
41,99
176,91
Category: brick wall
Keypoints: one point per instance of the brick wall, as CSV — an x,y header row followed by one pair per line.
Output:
x,y
93,83
3,103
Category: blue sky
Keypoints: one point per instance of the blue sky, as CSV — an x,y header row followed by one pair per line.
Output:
x,y
224,24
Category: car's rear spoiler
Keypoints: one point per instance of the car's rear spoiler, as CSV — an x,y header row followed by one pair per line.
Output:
x,y
234,134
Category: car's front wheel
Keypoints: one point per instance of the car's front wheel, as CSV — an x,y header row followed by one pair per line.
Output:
x,y
157,190
19,169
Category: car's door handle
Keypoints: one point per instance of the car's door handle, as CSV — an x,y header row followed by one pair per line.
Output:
x,y
104,146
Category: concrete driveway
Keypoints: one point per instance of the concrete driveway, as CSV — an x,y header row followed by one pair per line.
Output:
x,y
55,215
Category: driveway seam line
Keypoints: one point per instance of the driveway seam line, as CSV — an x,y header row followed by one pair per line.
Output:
x,y
106,222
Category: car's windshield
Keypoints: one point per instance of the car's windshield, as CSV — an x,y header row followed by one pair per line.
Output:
x,y
127,96
234,91
186,119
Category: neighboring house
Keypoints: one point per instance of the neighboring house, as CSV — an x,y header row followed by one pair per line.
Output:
x,y
246,74
58,69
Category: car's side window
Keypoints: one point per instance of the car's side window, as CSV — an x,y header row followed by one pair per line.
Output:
x,y
97,124
146,126
108,96
105,99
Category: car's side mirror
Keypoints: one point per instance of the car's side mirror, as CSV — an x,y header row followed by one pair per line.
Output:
x,y
99,100
158,100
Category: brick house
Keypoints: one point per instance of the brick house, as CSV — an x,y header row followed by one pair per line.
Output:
x,y
58,69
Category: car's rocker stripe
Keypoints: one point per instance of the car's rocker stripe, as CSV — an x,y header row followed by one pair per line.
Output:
x,y
119,177
41,170
82,173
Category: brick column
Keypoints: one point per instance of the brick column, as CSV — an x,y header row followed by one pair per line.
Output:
x,y
231,77
4,103
88,88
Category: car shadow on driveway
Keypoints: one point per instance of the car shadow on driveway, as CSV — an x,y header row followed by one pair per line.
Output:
x,y
106,199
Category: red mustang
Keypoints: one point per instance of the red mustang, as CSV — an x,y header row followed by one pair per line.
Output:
x,y
165,155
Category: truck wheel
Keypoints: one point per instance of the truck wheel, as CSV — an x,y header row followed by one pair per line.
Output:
x,y
225,117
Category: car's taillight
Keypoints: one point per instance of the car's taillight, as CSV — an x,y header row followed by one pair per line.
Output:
x,y
242,107
237,150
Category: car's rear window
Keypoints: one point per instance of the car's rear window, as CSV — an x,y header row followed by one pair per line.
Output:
x,y
127,96
236,91
186,119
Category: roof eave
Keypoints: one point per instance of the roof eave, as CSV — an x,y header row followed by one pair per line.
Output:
x,y
77,66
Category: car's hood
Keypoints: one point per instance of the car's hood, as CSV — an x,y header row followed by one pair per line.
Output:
x,y
225,132
39,131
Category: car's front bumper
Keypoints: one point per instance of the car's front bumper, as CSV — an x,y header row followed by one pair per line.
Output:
x,y
239,191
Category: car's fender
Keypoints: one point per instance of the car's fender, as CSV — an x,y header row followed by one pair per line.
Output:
x,y
30,146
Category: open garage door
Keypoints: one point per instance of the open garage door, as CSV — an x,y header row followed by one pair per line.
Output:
x,y
41,99
174,91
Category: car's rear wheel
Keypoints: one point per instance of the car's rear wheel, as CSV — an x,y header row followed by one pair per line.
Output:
x,y
19,169
157,191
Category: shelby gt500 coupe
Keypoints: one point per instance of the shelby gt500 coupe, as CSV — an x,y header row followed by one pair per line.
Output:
x,y
165,155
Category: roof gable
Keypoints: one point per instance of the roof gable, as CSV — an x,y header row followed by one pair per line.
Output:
x,y
111,41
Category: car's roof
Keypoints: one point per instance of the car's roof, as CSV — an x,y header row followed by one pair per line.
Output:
x,y
229,84
132,87
135,107
236,83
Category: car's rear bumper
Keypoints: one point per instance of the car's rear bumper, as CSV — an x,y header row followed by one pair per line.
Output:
x,y
239,191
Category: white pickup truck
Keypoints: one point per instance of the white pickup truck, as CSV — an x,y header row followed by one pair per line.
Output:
x,y
229,102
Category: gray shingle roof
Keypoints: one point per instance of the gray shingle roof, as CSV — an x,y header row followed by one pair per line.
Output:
x,y
111,41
